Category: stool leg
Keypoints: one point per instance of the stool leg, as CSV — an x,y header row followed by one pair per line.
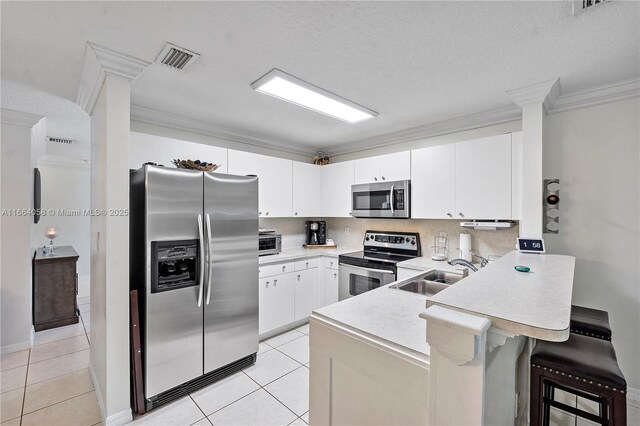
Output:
x,y
619,409
535,397
547,392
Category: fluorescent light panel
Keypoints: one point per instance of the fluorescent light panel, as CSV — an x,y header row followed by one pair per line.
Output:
x,y
284,86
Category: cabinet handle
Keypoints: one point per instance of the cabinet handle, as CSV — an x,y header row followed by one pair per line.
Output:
x,y
449,214
383,178
306,264
284,267
375,178
298,277
275,282
76,283
267,213
296,213
460,214
260,213
267,286
335,275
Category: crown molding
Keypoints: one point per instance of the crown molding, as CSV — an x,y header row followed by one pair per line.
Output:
x,y
100,61
19,118
617,91
165,119
544,93
454,125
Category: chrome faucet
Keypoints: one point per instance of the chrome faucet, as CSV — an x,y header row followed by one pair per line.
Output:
x,y
462,262
483,260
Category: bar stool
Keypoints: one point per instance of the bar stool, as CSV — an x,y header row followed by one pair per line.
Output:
x,y
590,322
583,366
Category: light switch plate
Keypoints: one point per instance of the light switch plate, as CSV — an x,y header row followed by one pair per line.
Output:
x,y
346,230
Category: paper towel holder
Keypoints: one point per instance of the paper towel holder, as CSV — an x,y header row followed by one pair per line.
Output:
x,y
488,225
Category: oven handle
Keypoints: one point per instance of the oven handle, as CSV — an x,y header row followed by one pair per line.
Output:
x,y
382,271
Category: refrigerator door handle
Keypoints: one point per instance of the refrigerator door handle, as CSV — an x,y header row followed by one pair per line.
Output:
x,y
202,257
209,260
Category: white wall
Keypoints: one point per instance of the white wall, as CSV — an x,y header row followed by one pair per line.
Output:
x,y
67,187
16,193
595,154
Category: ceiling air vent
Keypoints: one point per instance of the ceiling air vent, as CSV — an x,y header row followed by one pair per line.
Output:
x,y
176,57
62,140
582,5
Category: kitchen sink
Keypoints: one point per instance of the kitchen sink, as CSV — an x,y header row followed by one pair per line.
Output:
x,y
431,283
443,277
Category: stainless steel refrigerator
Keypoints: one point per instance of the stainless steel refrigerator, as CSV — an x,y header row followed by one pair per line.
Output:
x,y
194,262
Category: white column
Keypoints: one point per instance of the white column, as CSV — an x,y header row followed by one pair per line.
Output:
x,y
534,101
104,93
16,193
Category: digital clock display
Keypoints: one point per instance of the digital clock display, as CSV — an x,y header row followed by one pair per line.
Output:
x,y
530,245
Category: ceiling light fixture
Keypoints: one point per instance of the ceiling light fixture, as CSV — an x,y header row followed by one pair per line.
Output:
x,y
284,86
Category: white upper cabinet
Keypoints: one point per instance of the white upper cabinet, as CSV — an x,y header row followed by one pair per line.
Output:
x,y
306,184
483,178
335,189
390,167
433,182
155,149
274,177
208,153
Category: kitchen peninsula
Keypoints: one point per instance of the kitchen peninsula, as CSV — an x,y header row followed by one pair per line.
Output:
x,y
475,352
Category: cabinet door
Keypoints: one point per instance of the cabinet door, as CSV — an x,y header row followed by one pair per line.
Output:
x,y
516,175
247,163
396,166
155,149
208,153
306,184
367,170
276,177
276,302
433,182
336,181
330,286
483,178
306,292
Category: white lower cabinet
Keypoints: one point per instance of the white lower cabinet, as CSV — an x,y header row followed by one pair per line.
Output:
x,y
290,291
306,291
276,299
330,286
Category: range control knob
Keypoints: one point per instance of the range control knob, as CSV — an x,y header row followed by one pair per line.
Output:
x,y
367,238
413,242
407,240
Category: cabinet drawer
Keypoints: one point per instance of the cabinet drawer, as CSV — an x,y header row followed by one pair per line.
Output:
x,y
330,262
278,268
303,264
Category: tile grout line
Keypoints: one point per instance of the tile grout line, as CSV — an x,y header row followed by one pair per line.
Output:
x,y
60,375
58,356
24,394
222,408
267,391
289,341
194,401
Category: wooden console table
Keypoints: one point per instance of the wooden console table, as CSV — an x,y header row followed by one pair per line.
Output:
x,y
55,287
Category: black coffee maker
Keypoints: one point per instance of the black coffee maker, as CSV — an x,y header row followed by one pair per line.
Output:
x,y
315,232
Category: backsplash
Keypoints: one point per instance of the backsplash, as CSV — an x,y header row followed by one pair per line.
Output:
x,y
484,243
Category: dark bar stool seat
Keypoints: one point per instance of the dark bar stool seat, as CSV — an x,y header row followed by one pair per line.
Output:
x,y
583,366
590,322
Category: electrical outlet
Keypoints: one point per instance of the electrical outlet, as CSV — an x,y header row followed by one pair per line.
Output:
x,y
346,230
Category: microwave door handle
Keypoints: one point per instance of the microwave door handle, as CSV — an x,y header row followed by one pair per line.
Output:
x,y
391,199
202,263
210,260
382,271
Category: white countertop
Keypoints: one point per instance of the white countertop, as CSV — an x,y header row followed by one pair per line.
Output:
x,y
288,254
385,314
535,304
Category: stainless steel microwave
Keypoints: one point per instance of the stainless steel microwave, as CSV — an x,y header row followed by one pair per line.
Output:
x,y
381,199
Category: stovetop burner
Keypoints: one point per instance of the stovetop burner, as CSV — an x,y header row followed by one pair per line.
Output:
x,y
383,250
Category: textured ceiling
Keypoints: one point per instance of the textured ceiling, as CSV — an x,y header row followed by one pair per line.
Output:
x,y
413,62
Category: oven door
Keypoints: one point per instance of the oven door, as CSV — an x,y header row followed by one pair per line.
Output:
x,y
355,280
385,199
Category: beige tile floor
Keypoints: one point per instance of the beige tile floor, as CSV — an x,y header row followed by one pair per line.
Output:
x,y
50,384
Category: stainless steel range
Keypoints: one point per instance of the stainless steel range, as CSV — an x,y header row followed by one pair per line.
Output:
x,y
375,266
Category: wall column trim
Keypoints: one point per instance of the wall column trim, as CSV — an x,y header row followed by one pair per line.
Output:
x,y
100,61
534,100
